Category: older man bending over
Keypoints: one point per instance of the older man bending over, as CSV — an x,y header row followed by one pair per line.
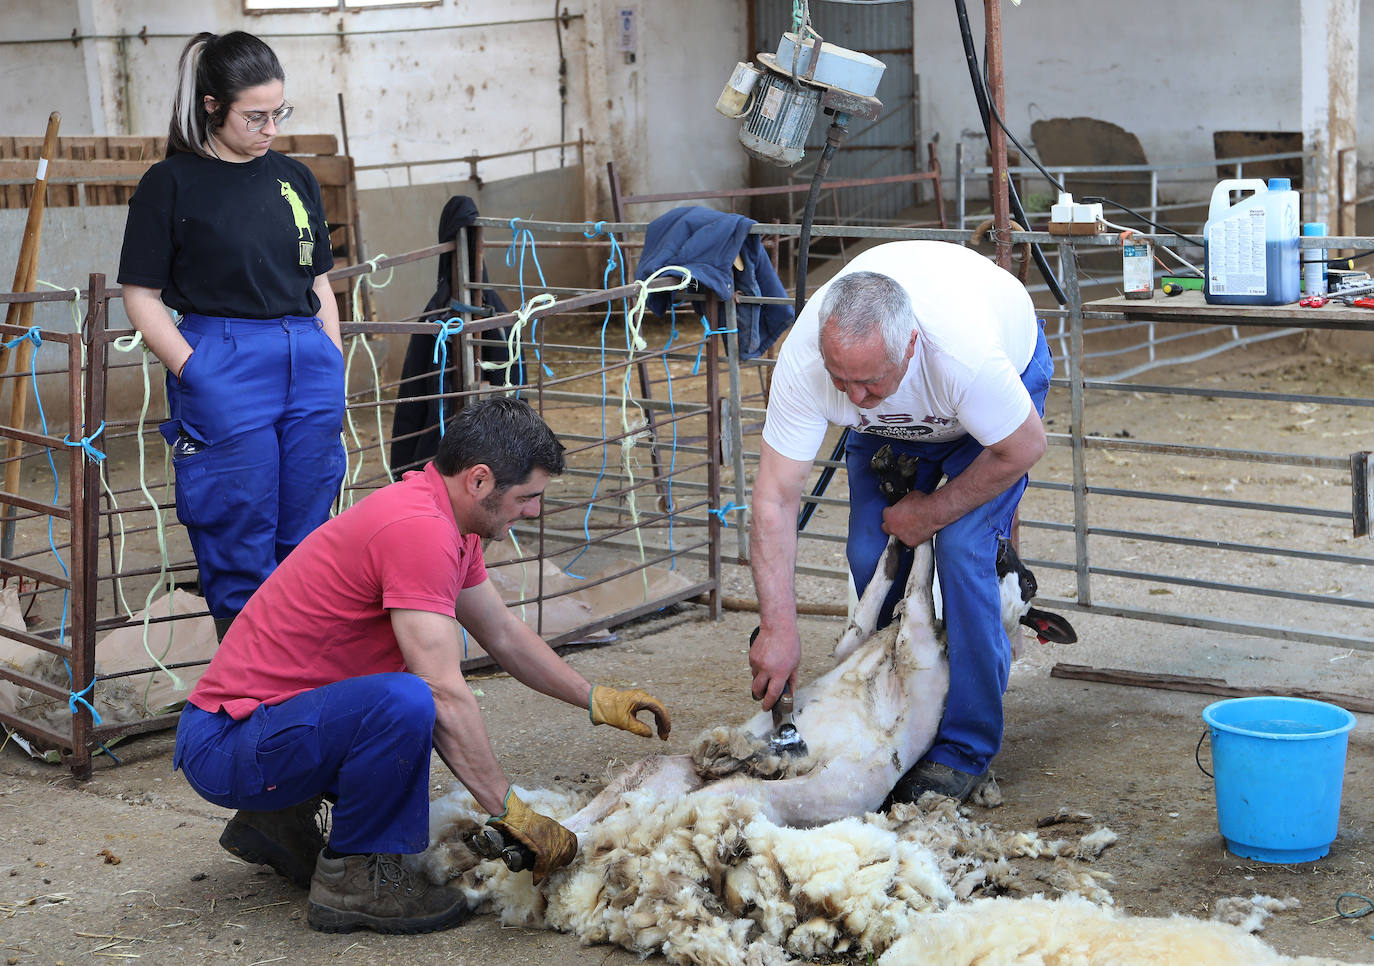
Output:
x,y
933,349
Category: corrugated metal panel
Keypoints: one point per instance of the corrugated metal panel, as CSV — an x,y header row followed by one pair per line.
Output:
x,y
873,149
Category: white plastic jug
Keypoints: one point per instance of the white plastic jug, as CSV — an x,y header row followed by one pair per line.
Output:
x,y
1251,247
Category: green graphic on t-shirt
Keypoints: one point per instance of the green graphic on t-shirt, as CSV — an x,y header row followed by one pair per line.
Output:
x,y
304,235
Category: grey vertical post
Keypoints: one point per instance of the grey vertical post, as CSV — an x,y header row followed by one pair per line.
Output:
x,y
735,425
468,375
960,190
1068,257
713,521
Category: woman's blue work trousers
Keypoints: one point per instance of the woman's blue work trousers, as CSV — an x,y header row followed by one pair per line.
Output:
x,y
255,423
965,557
365,741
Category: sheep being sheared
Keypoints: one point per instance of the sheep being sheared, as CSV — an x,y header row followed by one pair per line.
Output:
x,y
706,870
866,721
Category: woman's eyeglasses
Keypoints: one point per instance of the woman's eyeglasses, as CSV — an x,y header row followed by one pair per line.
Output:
x,y
257,120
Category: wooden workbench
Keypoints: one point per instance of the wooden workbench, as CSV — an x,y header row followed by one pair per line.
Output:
x,y
1189,306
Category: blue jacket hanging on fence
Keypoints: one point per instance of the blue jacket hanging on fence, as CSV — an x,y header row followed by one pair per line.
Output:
x,y
706,243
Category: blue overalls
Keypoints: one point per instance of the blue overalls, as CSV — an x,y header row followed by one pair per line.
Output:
x,y
365,741
965,557
255,423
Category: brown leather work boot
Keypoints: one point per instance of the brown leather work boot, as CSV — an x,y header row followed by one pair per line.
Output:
x,y
289,840
377,892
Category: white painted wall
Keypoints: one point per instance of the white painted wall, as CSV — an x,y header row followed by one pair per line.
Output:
x,y
1170,71
413,93
28,93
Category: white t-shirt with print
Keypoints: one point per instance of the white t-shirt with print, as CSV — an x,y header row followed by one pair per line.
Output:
x,y
976,333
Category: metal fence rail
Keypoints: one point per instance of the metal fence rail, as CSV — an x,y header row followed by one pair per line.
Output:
x,y
1216,561
1088,341
584,520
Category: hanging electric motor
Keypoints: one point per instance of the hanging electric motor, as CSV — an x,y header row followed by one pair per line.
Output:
x,y
778,101
778,104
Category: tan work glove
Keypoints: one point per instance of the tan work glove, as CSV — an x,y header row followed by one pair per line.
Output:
x,y
612,707
553,845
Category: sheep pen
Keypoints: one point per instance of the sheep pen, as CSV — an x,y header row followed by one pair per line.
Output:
x,y
127,864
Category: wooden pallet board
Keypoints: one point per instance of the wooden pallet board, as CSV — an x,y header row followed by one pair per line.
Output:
x,y
106,170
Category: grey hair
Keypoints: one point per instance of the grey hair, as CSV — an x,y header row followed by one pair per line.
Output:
x,y
860,304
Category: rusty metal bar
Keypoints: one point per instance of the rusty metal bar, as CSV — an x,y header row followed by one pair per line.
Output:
x,y
63,651
43,509
34,730
600,499
7,565
84,483
33,684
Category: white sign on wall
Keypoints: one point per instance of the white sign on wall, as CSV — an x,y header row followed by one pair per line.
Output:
x,y
628,40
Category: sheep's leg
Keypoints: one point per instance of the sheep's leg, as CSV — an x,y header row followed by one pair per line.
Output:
x,y
865,620
920,594
665,776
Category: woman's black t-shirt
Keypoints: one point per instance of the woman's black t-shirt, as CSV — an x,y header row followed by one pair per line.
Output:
x,y
228,240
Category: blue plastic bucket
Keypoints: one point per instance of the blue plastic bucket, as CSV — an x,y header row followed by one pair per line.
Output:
x,y
1278,765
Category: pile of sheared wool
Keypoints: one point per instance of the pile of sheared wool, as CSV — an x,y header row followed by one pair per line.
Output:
x,y
1071,931
709,880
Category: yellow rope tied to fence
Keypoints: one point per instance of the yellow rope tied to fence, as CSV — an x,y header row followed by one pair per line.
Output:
x,y
636,426
346,497
75,303
515,354
128,344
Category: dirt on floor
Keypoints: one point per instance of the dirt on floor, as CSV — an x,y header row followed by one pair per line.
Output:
x,y
126,865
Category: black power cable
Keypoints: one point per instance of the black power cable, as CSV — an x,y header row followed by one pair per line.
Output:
x,y
984,112
833,136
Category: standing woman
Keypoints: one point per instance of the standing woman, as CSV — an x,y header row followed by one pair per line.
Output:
x,y
231,236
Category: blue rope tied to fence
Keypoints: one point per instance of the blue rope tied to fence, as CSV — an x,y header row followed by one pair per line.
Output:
x,y
721,512
616,259
31,335
75,698
446,329
526,239
92,454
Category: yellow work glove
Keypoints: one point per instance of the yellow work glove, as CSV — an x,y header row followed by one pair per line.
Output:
x,y
553,845
612,707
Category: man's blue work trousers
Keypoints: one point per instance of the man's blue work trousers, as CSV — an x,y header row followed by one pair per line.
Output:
x,y
365,741
965,557
255,423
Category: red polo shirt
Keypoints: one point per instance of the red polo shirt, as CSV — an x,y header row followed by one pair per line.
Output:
x,y
323,614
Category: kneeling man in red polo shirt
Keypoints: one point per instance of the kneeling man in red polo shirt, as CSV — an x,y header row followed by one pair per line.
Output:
x,y
342,674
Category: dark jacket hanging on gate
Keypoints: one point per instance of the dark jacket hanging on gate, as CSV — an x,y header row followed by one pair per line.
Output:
x,y
415,424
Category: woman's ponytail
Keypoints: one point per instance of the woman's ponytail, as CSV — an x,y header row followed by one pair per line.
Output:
x,y
187,131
